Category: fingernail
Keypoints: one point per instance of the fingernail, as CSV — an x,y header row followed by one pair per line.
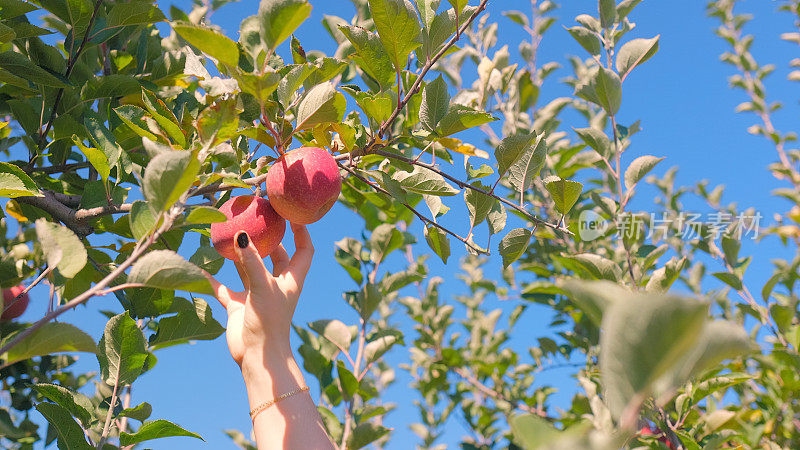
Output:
x,y
242,240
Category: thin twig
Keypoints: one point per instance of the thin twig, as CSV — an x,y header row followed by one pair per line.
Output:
x,y
109,415
80,299
29,287
466,185
471,379
413,210
61,167
70,65
418,82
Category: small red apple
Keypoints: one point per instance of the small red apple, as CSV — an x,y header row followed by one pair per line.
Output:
x,y
655,431
304,184
15,309
253,215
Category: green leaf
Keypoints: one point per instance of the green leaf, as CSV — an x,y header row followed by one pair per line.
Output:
x,y
218,122
205,214
730,279
134,12
348,381
425,181
478,204
279,19
564,192
587,38
155,429
596,139
168,176
164,117
96,158
514,245
19,65
61,247
366,433
165,269
719,340
331,422
15,8
322,104
532,432
625,7
142,220
75,403
497,218
194,324
69,434
602,87
592,266
435,103
16,183
346,251
511,149
398,28
517,17
378,106
290,83
427,10
439,31
102,139
634,53
608,12
210,41
593,297
139,412
53,337
460,118
527,167
438,242
115,85
367,300
730,247
639,168
334,331
208,259
385,239
122,351
608,87
644,336
664,277
378,347
370,55
133,117
458,5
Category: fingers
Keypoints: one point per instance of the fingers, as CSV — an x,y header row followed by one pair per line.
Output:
x,y
221,292
254,269
280,260
298,267
242,273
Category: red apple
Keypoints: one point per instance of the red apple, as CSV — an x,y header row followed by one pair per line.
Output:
x,y
15,309
253,215
304,184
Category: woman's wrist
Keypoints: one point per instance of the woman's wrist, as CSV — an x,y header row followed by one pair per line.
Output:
x,y
269,372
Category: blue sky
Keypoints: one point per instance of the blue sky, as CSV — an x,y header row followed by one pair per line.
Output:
x,y
687,112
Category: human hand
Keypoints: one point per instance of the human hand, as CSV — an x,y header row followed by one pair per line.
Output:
x,y
260,317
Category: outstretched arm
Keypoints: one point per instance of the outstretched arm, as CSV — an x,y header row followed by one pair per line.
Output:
x,y
259,324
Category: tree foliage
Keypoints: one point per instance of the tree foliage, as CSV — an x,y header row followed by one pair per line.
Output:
x,y
120,140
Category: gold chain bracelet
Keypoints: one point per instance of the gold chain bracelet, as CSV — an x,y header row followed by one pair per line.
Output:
x,y
254,412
